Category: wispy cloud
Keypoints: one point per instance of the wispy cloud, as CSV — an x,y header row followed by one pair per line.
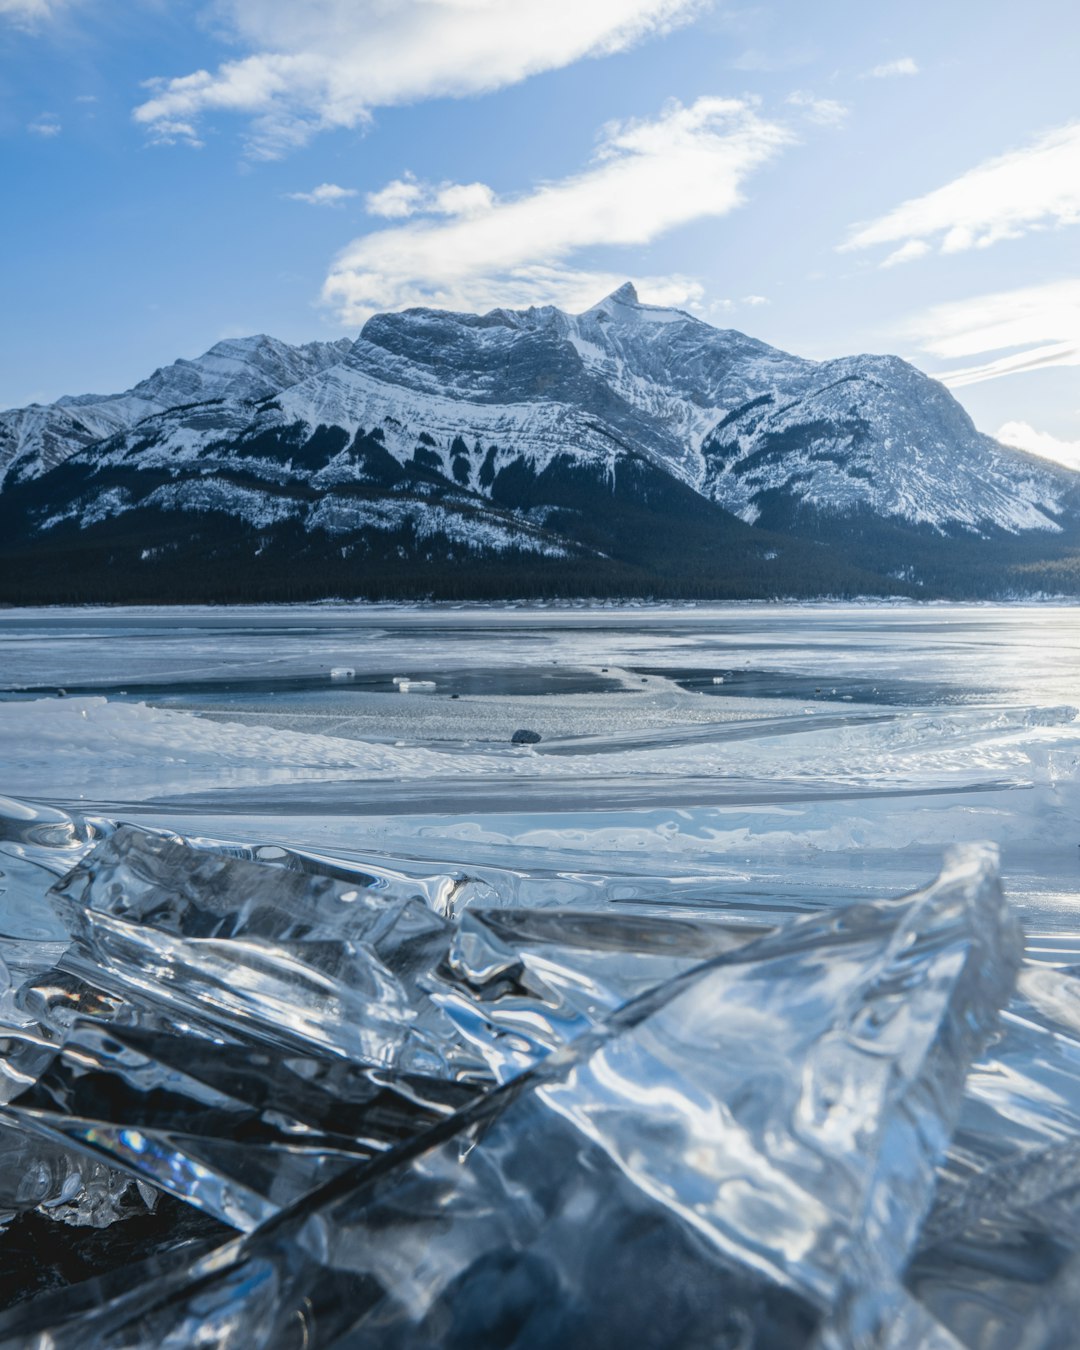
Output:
x,y
826,112
1032,188
647,178
718,308
905,65
29,14
914,248
326,194
326,64
47,125
1024,437
1036,326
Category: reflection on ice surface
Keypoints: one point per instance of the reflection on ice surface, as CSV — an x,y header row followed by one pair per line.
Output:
x,y
444,1119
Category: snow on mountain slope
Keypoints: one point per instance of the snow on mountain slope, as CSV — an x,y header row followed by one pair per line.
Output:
x,y
469,401
242,370
739,421
873,432
656,380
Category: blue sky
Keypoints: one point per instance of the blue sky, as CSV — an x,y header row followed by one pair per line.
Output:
x,y
831,177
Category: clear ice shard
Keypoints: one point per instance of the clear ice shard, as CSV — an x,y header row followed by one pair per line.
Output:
x,y
741,1155
238,1096
312,962
997,1260
67,1185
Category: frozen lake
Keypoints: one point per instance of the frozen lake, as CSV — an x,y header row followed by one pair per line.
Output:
x,y
719,772
859,740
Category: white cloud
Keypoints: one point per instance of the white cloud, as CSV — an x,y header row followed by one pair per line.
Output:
x,y
408,197
914,248
904,66
398,199
326,64
1024,437
173,131
1036,326
326,194
47,125
826,112
1029,189
647,178
755,300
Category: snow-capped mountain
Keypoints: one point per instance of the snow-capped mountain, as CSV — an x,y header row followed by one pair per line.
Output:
x,y
35,439
631,442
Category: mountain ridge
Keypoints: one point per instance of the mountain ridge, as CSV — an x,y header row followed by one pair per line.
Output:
x,y
530,440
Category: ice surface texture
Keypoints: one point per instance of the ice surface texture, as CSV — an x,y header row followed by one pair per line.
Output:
x,y
437,1121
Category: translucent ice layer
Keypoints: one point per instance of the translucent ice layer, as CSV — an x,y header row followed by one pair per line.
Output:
x,y
237,1032
703,1142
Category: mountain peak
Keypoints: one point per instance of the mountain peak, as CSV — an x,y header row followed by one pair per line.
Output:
x,y
624,306
625,295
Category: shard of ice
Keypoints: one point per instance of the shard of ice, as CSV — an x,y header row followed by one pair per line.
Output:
x,y
997,1260
227,1128
374,974
148,1058
741,1156
310,961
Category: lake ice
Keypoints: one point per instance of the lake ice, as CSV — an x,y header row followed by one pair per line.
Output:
x,y
414,967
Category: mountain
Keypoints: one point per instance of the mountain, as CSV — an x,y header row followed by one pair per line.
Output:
x,y
35,439
631,449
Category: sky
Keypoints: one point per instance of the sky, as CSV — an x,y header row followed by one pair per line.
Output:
x,y
832,178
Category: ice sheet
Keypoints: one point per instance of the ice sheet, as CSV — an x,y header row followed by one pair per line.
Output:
x,y
751,1137
190,1038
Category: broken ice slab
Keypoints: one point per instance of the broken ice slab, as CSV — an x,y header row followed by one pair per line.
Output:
x,y
740,1157
38,844
444,891
37,1173
169,1107
997,1255
302,960
230,1128
526,982
513,986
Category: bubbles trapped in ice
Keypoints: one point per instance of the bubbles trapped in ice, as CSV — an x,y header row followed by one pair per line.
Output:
x,y
530,1126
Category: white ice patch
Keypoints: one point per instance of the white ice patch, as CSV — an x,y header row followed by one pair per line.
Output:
x,y
917,778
